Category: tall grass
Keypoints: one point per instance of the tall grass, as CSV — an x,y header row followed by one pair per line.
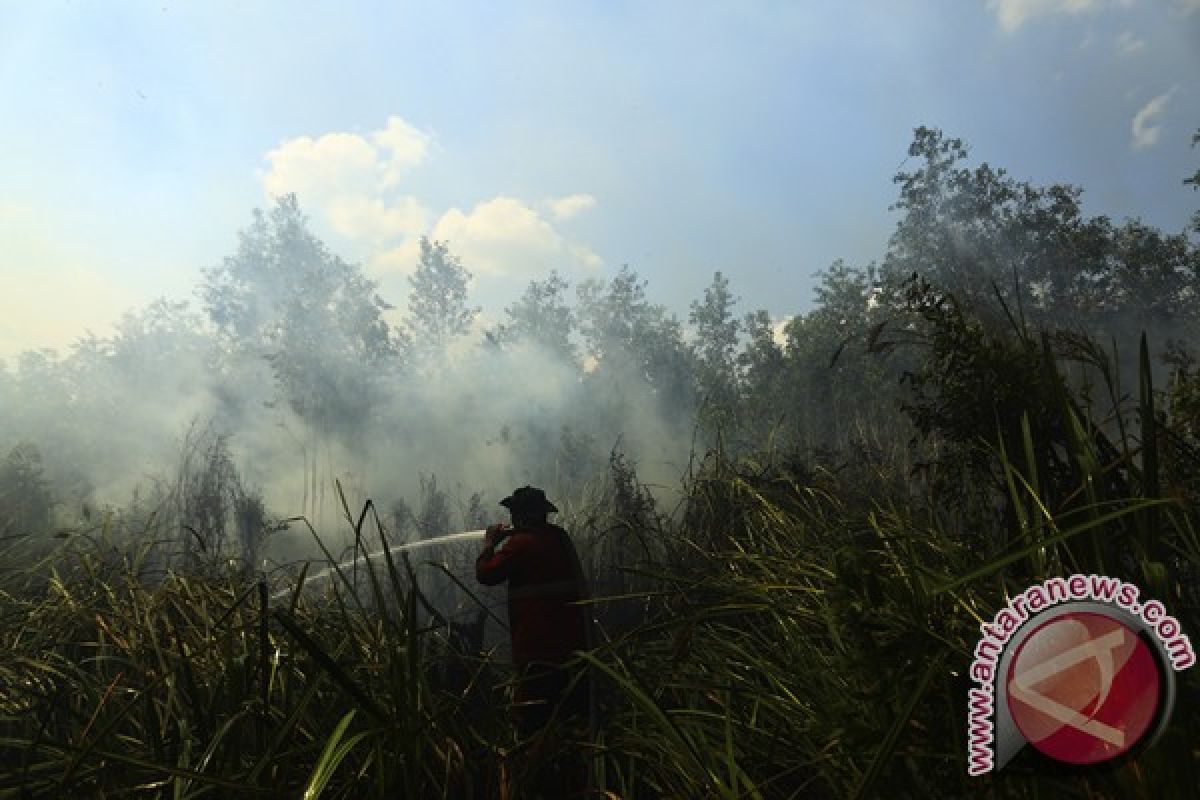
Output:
x,y
786,633
115,683
819,631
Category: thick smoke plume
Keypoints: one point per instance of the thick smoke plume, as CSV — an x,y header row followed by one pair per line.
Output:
x,y
285,380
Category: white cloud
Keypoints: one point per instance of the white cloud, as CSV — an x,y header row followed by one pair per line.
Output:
x,y
349,182
348,179
336,163
496,233
569,206
1147,125
586,256
779,331
505,237
501,237
407,145
1012,14
400,259
373,220
1128,43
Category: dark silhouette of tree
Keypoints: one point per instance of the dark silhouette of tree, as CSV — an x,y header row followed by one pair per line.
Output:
x,y
26,501
978,231
763,369
433,518
1018,257
475,516
400,517
1154,279
577,459
714,352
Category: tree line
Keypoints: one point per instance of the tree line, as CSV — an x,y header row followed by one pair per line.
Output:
x,y
286,325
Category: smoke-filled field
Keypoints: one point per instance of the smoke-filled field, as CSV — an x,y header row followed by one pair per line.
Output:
x,y
238,526
791,540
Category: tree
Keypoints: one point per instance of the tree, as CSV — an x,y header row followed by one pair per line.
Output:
x,y
46,398
26,501
315,319
976,231
763,365
1153,278
668,367
828,372
627,336
158,350
542,317
576,460
954,224
401,517
611,313
437,305
433,519
715,350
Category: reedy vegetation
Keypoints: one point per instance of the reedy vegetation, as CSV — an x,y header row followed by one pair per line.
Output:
x,y
799,627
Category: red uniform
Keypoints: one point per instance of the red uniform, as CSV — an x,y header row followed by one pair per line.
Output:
x,y
544,578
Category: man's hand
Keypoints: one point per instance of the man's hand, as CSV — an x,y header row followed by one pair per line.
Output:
x,y
494,534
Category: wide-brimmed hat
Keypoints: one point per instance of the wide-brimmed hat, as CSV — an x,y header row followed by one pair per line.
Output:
x,y
529,498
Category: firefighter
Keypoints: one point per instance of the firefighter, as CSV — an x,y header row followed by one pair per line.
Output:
x,y
545,582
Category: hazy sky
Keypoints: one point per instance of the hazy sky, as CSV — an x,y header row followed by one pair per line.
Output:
x,y
758,138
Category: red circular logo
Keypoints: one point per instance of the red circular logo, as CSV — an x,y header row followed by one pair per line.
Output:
x,y
1083,688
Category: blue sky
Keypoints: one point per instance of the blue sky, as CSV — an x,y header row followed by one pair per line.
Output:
x,y
758,138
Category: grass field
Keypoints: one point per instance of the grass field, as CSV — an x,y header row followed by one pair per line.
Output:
x,y
793,630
